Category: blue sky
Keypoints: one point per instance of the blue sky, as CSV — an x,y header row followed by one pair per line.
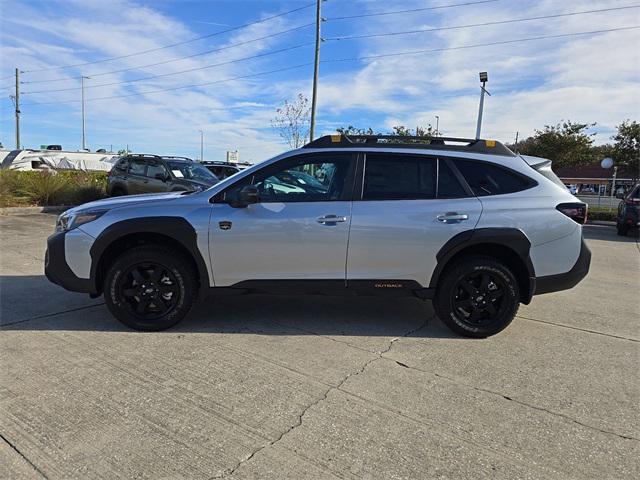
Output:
x,y
593,78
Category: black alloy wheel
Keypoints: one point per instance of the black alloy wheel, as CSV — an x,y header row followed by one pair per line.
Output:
x,y
478,298
149,290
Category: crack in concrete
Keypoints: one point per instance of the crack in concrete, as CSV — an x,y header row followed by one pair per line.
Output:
x,y
15,449
322,398
519,402
595,332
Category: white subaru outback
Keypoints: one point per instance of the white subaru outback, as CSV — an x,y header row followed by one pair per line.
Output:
x,y
465,223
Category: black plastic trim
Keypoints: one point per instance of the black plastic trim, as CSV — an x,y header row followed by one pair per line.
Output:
x,y
511,238
335,287
176,228
58,271
565,281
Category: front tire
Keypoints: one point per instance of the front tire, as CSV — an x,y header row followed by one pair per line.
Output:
x,y
477,297
150,288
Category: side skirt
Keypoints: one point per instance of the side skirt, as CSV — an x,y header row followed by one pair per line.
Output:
x,y
372,288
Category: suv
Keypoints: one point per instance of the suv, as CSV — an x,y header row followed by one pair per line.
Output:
x,y
465,223
152,174
629,211
223,170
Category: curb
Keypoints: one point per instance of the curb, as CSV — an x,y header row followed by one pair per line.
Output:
x,y
603,223
33,210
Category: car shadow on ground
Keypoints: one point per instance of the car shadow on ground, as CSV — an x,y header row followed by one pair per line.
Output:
x,y
55,309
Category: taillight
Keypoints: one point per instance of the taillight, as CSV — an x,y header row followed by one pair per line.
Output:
x,y
575,211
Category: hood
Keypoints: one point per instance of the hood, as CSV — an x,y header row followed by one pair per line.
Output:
x,y
128,200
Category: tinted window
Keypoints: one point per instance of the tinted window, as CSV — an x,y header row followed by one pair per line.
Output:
x,y
137,167
155,168
122,164
303,179
192,171
487,179
314,179
448,184
398,177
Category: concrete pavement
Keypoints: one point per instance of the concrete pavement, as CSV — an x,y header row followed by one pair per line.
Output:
x,y
318,387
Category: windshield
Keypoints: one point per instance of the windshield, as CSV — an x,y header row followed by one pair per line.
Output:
x,y
192,171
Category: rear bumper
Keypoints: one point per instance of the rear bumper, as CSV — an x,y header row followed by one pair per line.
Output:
x,y
58,271
565,281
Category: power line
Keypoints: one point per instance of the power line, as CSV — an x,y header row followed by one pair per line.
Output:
x,y
174,44
412,10
196,85
368,57
484,24
164,62
477,45
150,77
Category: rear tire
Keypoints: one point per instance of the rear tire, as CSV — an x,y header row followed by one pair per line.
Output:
x,y
150,288
477,297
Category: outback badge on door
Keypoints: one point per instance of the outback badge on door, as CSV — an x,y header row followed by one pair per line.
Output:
x,y
224,225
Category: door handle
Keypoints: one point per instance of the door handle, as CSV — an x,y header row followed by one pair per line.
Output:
x,y
452,217
331,219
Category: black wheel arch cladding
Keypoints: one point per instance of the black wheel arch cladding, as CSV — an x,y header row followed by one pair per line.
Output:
x,y
512,238
176,228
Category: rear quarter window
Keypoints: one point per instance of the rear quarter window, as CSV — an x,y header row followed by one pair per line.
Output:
x,y
489,179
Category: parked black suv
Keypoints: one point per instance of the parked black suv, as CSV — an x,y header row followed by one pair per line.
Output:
x,y
629,211
134,174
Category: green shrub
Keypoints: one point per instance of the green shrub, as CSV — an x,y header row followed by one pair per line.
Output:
x,y
603,214
41,187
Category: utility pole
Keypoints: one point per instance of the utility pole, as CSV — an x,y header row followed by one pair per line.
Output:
x,y
484,78
316,66
84,145
201,146
437,125
17,102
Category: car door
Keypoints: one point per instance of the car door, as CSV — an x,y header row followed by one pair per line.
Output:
x,y
157,177
297,231
137,179
408,207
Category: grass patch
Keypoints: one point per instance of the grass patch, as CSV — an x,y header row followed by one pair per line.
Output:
x,y
602,213
45,188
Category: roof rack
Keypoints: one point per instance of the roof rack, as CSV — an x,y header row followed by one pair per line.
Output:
x,y
171,157
491,147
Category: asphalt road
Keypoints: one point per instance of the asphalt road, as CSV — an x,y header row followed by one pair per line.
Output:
x,y
318,387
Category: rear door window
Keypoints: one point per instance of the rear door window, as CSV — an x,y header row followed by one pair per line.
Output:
x,y
448,184
137,167
489,179
389,176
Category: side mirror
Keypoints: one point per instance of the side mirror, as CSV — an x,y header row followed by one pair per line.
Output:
x,y
161,176
246,197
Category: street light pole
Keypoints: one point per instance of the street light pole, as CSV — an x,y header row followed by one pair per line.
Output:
x,y
437,125
17,109
201,145
84,144
316,66
484,78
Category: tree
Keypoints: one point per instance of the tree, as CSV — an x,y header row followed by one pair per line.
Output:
x,y
351,130
626,150
292,121
403,131
568,144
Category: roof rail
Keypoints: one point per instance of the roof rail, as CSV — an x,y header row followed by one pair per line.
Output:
x,y
172,157
491,147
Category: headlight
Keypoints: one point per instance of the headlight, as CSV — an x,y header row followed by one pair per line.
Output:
x,y
68,221
198,188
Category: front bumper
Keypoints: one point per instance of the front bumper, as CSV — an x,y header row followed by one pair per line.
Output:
x,y
567,280
58,271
